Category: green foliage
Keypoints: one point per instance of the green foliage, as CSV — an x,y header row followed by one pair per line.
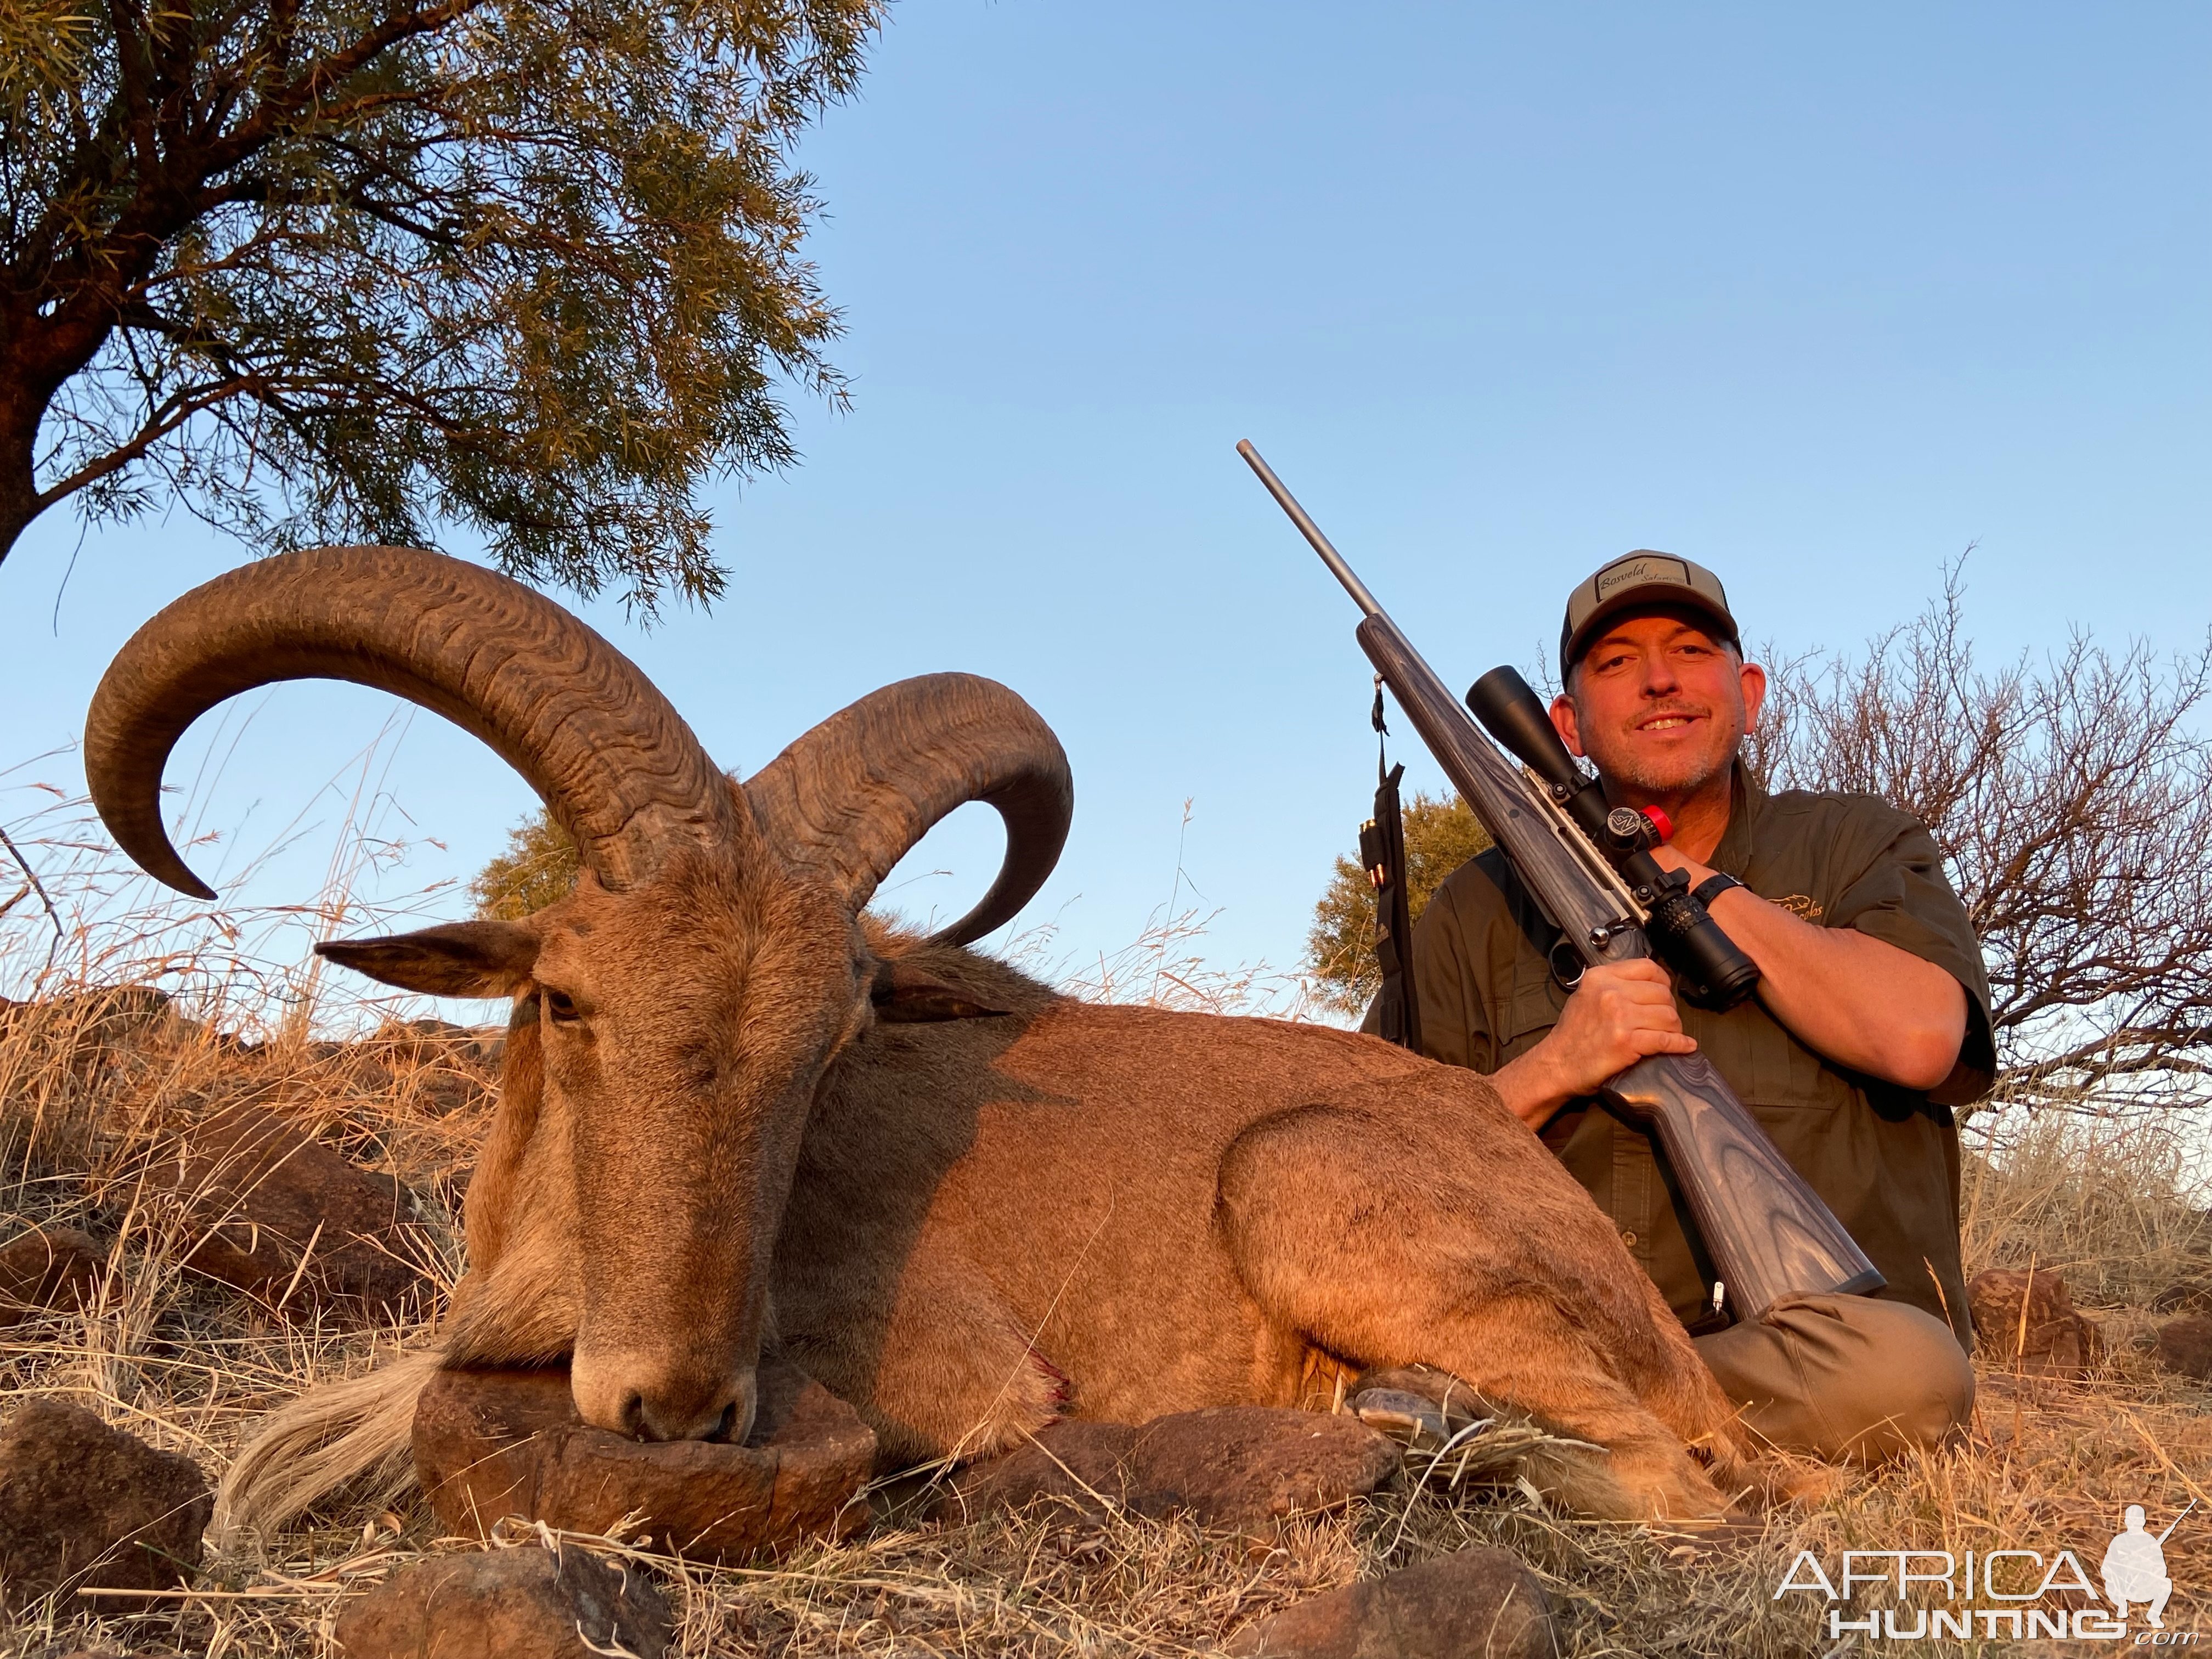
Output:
x,y
1440,835
538,866
350,270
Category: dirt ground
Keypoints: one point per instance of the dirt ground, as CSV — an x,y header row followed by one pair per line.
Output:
x,y
87,1088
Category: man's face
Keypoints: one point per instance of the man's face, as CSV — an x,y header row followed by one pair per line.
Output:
x,y
1660,704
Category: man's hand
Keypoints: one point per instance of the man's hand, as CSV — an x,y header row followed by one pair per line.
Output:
x,y
1619,1014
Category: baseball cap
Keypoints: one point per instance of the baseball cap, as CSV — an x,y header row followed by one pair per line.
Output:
x,y
1642,580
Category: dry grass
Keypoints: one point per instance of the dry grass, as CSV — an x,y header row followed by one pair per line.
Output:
x,y
188,1364
88,1085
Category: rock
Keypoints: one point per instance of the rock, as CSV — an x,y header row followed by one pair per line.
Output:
x,y
48,1267
262,1195
427,1041
2184,1296
494,1443
105,1013
2056,1342
2184,1345
526,1603
1233,1466
1230,1466
1080,1468
1481,1603
83,1503
443,1091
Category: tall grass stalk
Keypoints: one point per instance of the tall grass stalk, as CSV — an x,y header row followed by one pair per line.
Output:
x,y
92,1082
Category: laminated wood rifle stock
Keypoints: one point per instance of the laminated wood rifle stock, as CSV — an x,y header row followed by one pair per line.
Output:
x,y
1767,1234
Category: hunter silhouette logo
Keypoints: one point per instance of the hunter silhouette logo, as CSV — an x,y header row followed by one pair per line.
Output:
x,y
2134,1567
2020,1594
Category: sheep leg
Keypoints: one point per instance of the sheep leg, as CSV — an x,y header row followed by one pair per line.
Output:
x,y
1381,1242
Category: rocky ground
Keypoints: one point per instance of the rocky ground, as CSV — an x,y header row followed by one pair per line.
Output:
x,y
198,1227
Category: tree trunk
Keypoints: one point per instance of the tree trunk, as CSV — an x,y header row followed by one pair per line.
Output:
x,y
19,437
38,354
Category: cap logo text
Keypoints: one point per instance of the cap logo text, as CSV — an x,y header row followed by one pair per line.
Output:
x,y
1634,571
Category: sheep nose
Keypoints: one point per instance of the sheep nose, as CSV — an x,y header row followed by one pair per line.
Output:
x,y
632,1401
725,1417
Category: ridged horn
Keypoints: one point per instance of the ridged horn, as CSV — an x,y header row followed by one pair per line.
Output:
x,y
854,794
609,755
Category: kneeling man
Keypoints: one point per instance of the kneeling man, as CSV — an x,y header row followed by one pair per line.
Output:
x,y
1870,1023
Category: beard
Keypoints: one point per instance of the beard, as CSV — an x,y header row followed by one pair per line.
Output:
x,y
1644,772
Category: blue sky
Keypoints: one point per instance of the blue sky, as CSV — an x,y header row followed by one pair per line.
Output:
x,y
1816,297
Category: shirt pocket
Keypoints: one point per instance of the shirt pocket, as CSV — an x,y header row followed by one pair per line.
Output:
x,y
1532,1009
1763,1063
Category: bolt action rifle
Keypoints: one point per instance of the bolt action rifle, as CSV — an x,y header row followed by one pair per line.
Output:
x,y
1590,870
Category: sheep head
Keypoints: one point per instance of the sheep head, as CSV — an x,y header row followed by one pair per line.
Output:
x,y
674,1014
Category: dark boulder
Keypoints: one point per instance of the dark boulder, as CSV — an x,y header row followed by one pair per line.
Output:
x,y
2184,1345
2023,1318
1481,1603
2184,1295
1234,1466
1230,1466
48,1267
279,1213
524,1603
82,1503
1078,1469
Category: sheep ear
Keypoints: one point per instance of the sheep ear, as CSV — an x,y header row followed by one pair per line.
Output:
x,y
457,959
904,994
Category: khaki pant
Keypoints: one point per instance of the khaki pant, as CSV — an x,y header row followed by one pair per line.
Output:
x,y
1844,1377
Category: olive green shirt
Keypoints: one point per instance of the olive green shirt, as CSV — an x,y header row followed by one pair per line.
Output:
x,y
1885,1158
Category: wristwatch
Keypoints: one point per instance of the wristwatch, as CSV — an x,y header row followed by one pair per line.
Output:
x,y
1713,886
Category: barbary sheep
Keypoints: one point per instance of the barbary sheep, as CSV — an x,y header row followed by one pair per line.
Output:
x,y
734,1110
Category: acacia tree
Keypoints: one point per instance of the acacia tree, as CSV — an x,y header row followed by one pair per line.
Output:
x,y
1440,835
332,269
539,868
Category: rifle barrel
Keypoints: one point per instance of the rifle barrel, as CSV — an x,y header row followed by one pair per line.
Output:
x,y
2176,1521
1311,531
1768,1233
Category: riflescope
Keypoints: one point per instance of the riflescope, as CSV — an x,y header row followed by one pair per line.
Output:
x,y
1714,973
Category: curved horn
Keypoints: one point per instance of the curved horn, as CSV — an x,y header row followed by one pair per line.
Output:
x,y
854,794
609,755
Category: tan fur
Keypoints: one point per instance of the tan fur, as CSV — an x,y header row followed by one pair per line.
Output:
x,y
1113,1212
499,1159
1177,1210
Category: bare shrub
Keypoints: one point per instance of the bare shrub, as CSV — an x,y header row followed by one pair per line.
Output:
x,y
2072,798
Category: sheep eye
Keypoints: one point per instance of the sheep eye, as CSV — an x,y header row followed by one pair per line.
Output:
x,y
559,1009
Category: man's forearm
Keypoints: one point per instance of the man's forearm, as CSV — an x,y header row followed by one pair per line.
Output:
x,y
1531,1088
1858,1001
1862,1004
